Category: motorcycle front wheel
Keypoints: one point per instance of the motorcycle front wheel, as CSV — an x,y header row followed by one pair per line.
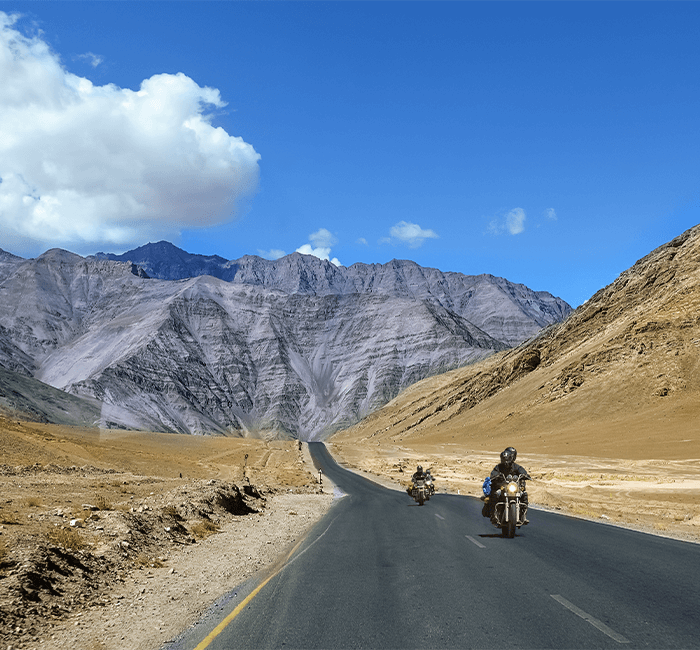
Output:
x,y
512,518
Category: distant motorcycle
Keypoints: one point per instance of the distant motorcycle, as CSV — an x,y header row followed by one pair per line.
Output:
x,y
419,491
510,509
429,487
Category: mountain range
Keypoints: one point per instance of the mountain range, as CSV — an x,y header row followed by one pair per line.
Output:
x,y
508,312
166,340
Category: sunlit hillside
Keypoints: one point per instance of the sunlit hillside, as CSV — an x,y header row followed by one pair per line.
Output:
x,y
619,378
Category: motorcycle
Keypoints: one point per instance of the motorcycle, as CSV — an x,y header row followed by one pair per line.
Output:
x,y
429,488
419,492
510,510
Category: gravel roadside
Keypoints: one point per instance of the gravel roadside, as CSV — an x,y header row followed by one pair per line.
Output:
x,y
153,605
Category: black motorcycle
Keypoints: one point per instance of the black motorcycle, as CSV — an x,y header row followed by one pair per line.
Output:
x,y
510,508
419,492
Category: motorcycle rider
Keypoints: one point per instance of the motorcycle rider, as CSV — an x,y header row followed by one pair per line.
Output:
x,y
417,475
506,467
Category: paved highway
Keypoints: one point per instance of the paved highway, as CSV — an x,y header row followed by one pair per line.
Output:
x,y
379,571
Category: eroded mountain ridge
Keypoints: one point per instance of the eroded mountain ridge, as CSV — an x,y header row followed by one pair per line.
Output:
x,y
292,347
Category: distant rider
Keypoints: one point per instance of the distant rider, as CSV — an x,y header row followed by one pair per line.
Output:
x,y
497,478
430,482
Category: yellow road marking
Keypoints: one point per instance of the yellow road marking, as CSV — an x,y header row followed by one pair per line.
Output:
x,y
221,626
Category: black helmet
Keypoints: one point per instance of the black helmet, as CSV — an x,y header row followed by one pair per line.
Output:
x,y
508,456
419,469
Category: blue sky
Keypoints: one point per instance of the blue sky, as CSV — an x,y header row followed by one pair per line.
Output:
x,y
552,144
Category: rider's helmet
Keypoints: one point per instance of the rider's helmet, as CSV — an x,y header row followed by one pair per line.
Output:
x,y
508,457
419,469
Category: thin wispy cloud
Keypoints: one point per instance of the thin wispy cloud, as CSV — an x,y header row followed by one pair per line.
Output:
x,y
272,254
515,221
409,233
83,166
512,223
93,59
321,243
551,214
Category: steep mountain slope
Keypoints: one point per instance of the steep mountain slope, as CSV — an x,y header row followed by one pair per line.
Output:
x,y
204,355
621,373
27,398
509,312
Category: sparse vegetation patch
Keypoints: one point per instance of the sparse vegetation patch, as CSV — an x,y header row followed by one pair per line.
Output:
x,y
102,503
66,538
204,528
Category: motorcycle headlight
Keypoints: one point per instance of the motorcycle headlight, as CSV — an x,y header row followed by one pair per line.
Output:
x,y
512,488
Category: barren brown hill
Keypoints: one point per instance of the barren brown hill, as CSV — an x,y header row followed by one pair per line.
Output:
x,y
619,378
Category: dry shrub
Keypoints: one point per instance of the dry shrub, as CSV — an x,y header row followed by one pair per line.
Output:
x,y
9,518
32,502
122,486
143,560
102,502
204,529
3,551
66,538
171,511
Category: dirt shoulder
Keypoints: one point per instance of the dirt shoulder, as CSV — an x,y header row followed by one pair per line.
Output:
x,y
151,605
127,551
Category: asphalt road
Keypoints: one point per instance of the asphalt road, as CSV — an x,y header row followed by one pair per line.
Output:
x,y
379,571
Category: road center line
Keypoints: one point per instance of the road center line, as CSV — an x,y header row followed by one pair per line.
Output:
x,y
473,541
439,516
590,619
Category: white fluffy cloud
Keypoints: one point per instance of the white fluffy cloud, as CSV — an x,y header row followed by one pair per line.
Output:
x,y
84,165
321,243
411,233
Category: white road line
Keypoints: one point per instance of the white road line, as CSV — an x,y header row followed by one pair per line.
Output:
x,y
473,541
593,621
439,516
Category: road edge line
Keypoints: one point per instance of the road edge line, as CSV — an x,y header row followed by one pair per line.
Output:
x,y
204,643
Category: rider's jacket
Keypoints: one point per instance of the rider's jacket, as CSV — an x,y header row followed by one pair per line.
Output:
x,y
417,476
500,471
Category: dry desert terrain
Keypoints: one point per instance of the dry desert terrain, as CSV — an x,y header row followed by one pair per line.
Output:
x,y
116,539
165,525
